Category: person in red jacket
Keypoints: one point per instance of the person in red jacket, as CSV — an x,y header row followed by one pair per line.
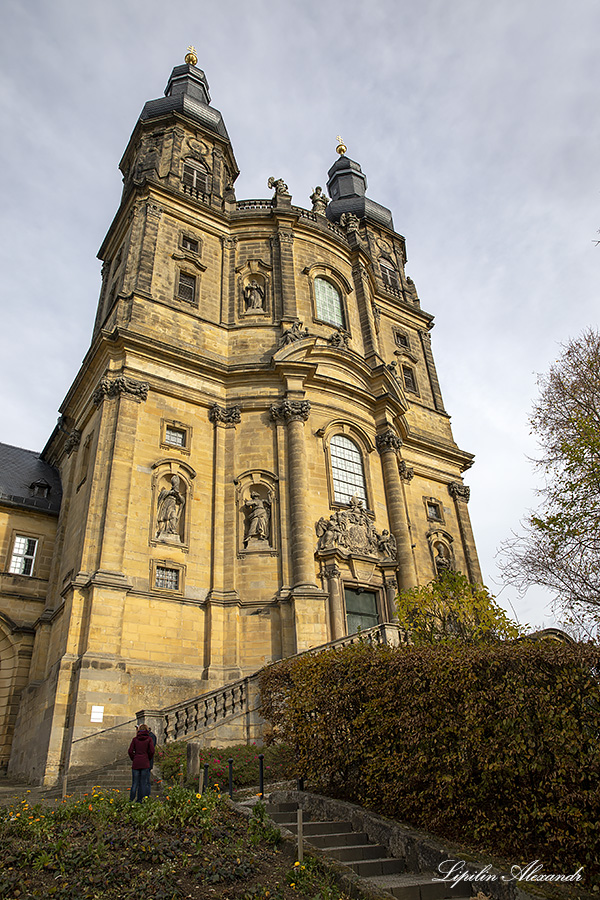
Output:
x,y
141,751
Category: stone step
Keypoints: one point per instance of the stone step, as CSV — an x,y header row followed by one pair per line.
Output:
x,y
410,886
356,852
311,828
352,838
386,865
286,819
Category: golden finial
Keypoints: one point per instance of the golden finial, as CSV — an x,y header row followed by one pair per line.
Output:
x,y
341,147
190,57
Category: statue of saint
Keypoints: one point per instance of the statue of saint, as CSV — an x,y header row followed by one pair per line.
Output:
x,y
387,545
295,333
257,519
254,295
319,200
170,506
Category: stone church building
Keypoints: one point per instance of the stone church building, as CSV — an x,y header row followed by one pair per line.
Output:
x,y
253,458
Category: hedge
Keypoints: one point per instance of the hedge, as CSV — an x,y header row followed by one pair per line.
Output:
x,y
493,745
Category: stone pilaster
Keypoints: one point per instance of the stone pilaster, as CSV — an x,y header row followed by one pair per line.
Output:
x,y
388,444
295,413
337,627
148,248
431,371
460,494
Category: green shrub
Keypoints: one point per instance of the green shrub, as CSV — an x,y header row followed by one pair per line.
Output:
x,y
496,745
277,763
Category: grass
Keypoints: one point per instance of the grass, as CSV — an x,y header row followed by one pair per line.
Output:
x,y
184,845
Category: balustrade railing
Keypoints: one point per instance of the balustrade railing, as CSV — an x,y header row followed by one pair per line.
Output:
x,y
207,711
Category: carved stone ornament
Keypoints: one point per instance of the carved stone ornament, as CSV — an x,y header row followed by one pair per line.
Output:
x,y
339,339
350,222
231,416
295,333
332,571
388,441
72,441
291,410
319,201
407,473
113,387
459,491
442,559
353,530
279,185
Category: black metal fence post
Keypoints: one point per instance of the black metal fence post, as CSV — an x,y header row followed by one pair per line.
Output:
x,y
261,775
230,761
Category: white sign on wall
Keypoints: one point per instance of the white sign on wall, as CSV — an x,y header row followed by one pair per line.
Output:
x,y
97,714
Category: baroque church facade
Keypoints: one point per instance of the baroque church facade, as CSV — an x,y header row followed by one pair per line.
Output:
x,y
252,460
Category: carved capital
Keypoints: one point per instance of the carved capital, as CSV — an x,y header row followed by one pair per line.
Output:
x,y
407,473
332,571
73,441
425,335
113,387
285,237
388,441
291,410
229,243
459,491
231,416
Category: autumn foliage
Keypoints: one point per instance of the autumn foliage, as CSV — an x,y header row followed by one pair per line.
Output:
x,y
495,745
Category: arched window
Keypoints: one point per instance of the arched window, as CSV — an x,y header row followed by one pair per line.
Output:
x,y
328,302
195,178
389,275
347,470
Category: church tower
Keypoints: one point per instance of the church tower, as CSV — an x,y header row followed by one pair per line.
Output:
x,y
255,454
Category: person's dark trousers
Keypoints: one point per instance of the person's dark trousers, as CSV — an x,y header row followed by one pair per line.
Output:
x,y
140,785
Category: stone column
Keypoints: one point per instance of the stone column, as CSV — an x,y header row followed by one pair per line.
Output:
x,y
388,444
295,413
461,493
336,602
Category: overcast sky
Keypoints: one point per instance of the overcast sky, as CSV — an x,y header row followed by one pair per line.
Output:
x,y
476,122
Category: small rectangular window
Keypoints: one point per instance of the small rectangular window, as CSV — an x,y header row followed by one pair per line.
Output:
x,y
361,610
175,436
186,287
434,512
189,244
167,579
410,382
23,555
402,339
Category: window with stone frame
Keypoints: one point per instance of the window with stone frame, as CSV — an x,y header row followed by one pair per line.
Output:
x,y
328,302
175,436
389,275
434,510
402,339
347,470
194,178
186,287
23,555
166,579
190,244
410,380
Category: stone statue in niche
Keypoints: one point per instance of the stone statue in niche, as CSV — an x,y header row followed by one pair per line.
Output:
x,y
319,201
443,563
257,519
387,545
170,507
295,333
254,295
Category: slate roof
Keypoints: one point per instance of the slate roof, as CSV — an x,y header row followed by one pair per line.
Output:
x,y
19,470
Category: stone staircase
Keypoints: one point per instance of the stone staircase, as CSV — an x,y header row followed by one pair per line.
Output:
x,y
338,839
